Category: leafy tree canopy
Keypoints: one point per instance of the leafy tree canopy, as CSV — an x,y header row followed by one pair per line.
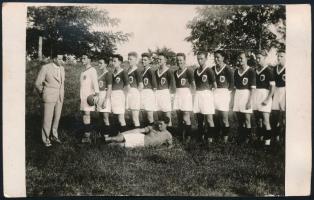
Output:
x,y
69,30
235,28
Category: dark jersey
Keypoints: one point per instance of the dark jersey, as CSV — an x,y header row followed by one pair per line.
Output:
x,y
184,78
246,80
264,78
165,80
119,80
149,79
224,77
104,80
204,79
280,77
134,78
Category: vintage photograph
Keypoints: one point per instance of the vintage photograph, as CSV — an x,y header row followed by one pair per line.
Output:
x,y
155,100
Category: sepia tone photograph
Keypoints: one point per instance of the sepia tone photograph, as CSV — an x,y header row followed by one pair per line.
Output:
x,y
155,100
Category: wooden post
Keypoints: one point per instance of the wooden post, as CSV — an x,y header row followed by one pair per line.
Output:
x,y
40,48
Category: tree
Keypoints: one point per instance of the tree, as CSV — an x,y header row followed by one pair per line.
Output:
x,y
69,29
235,28
170,55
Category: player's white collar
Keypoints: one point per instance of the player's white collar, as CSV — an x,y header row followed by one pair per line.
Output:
x,y
115,74
258,72
159,75
243,71
218,72
201,71
105,71
178,75
278,72
132,70
146,70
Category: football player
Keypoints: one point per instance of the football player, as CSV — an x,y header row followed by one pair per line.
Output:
x,y
279,100
88,86
165,87
204,99
119,82
148,98
245,84
222,95
104,102
183,102
136,85
262,97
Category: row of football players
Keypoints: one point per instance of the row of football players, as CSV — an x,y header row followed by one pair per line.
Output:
x,y
202,91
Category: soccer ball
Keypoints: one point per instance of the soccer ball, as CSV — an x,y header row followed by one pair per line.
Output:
x,y
92,100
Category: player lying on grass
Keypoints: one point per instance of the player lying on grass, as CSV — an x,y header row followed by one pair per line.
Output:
x,y
144,137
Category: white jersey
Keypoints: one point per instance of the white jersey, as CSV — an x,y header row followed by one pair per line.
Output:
x,y
88,86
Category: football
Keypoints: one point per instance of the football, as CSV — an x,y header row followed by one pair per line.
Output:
x,y
91,100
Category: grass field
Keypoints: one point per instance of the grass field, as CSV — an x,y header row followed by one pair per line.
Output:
x,y
73,169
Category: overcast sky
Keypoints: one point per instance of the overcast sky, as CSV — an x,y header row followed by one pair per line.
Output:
x,y
154,26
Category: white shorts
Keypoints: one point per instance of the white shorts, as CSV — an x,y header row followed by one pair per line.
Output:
x,y
241,98
204,102
148,100
222,98
135,139
183,100
279,100
133,99
163,100
259,96
84,105
117,102
102,97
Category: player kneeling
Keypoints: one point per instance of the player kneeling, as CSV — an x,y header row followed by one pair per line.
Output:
x,y
104,102
88,86
245,83
183,102
145,137
279,100
262,97
222,95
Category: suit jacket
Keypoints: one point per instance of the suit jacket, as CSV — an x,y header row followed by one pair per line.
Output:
x,y
49,84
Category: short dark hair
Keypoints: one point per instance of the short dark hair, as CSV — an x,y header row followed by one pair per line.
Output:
x,y
132,53
106,60
261,52
120,58
162,54
146,55
221,52
243,52
181,54
165,119
202,53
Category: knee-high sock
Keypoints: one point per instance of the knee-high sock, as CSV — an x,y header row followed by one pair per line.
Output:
x,y
188,130
225,131
210,132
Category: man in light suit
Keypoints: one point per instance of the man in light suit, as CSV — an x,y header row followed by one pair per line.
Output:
x,y
50,85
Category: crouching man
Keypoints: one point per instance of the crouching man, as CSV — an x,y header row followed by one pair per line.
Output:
x,y
144,137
